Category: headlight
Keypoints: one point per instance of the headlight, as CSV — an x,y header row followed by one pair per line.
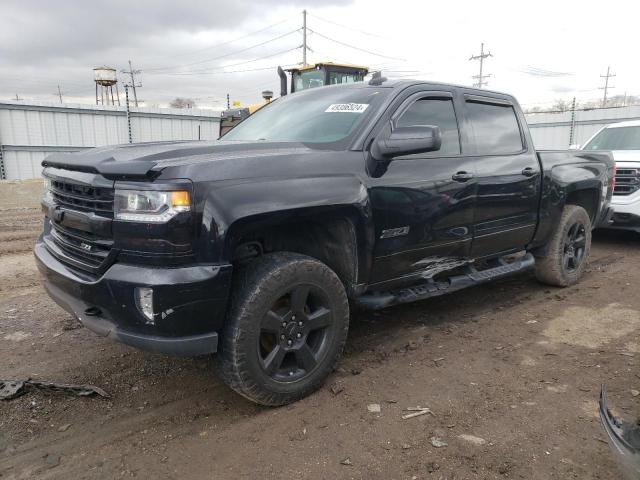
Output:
x,y
46,194
150,206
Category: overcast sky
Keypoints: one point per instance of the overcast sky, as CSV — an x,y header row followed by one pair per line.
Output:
x,y
542,50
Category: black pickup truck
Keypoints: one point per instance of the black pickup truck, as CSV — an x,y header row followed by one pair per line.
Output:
x,y
256,246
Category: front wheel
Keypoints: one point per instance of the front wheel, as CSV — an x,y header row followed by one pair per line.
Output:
x,y
568,249
288,324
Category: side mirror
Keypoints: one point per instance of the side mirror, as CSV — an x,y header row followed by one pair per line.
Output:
x,y
407,141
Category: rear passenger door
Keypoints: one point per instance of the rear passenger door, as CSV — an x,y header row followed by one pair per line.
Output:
x,y
507,175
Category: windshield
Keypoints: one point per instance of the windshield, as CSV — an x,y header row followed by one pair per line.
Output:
x,y
308,79
616,138
318,116
342,77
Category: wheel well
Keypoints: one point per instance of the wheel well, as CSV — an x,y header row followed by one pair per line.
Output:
x,y
331,241
587,199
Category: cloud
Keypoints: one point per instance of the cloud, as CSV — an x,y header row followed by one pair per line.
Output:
x,y
44,43
46,31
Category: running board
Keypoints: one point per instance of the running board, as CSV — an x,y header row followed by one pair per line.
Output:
x,y
376,301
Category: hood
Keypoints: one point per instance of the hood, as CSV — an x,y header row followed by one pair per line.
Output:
x,y
148,159
626,155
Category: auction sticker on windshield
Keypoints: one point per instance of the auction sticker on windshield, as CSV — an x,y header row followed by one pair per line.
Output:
x,y
347,108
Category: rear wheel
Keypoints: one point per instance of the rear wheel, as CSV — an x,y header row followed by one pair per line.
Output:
x,y
288,324
568,249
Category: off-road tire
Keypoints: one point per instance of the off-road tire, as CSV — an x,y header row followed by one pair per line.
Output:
x,y
256,287
551,269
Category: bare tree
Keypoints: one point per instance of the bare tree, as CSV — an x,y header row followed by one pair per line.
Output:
x,y
561,106
180,102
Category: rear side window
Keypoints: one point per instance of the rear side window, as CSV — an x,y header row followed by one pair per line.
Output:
x,y
438,112
495,128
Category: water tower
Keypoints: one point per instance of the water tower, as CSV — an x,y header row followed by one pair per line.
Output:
x,y
105,78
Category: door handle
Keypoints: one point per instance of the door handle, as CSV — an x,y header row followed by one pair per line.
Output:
x,y
462,176
529,172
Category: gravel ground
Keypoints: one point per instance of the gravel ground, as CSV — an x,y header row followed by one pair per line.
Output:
x,y
511,371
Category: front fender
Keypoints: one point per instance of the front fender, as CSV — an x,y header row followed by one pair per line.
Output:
x,y
231,208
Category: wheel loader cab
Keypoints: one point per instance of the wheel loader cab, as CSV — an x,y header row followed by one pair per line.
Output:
x,y
325,73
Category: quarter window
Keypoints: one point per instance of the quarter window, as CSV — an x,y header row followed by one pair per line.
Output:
x,y
438,112
495,128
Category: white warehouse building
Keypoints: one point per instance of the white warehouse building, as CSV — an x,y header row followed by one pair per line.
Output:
x,y
31,131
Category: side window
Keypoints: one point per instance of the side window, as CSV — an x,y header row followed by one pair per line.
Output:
x,y
495,128
438,112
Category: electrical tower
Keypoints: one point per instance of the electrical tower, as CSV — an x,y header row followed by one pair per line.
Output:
x,y
132,73
59,94
480,77
606,85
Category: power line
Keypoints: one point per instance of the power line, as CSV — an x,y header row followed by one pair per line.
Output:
x,y
222,69
350,28
540,72
211,47
606,85
481,57
356,48
223,56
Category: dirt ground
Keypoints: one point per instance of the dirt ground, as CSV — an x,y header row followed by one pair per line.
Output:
x,y
511,371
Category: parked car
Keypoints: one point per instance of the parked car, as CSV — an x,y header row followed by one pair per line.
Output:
x,y
623,139
255,246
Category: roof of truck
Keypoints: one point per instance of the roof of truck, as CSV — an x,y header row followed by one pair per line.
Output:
x,y
313,66
403,83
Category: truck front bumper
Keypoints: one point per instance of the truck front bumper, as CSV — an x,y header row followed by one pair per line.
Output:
x,y
188,303
626,212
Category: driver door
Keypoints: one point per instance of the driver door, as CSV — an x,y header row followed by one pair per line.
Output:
x,y
423,205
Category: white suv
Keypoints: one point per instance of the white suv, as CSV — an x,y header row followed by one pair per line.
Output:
x,y
623,139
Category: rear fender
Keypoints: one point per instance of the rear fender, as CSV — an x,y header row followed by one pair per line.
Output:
x,y
583,184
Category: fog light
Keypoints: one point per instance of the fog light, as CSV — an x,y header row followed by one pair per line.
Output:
x,y
144,301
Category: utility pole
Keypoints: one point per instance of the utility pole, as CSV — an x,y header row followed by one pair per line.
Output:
x,y
18,98
126,97
304,38
228,102
606,85
573,122
131,72
480,77
59,94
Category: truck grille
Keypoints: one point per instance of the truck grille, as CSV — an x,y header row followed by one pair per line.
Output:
x,y
627,181
84,247
89,246
83,198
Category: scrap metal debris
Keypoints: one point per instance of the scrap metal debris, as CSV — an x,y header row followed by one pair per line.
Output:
x,y
10,389
417,411
438,443
374,408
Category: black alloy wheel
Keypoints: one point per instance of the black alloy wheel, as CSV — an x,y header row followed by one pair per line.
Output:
x,y
295,334
574,247
287,325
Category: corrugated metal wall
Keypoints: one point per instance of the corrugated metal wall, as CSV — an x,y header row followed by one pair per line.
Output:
x,y
30,131
552,130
